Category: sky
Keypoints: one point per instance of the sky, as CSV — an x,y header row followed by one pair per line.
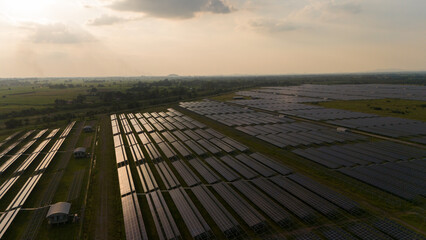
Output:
x,y
63,38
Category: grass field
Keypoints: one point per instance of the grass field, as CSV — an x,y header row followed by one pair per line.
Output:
x,y
384,107
20,97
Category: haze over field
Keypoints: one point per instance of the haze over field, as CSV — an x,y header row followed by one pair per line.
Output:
x,y
209,37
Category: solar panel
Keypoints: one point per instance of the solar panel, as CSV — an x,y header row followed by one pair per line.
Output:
x,y
195,223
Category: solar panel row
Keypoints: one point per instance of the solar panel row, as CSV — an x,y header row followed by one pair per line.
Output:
x,y
13,145
403,179
186,173
250,216
325,192
163,219
350,91
270,208
15,206
278,131
255,165
238,167
360,153
227,224
19,153
326,114
167,176
365,232
336,233
396,230
387,126
133,221
195,223
291,203
190,143
315,201
6,140
25,164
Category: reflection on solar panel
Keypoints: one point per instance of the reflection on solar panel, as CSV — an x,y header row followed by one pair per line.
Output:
x,y
8,139
132,215
8,149
18,154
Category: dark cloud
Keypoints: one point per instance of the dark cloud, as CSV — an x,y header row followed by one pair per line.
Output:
x,y
172,8
272,25
59,33
106,20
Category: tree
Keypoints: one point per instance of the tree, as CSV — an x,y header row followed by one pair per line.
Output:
x,y
13,123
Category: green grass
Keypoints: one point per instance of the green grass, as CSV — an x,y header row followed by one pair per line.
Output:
x,y
115,223
38,96
384,107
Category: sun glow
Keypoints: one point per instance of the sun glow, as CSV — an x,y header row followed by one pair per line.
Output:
x,y
26,10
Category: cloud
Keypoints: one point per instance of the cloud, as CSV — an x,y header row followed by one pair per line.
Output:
x,y
344,7
173,8
106,20
59,33
313,15
272,25
328,10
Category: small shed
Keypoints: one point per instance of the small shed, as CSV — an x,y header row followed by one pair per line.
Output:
x,y
88,128
80,152
58,213
342,129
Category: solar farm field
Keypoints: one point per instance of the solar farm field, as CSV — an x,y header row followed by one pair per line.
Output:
x,y
268,165
37,170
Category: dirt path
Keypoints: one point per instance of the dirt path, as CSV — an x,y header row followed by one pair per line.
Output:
x,y
102,211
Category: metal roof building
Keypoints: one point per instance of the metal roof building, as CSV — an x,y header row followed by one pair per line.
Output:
x,y
58,213
80,152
